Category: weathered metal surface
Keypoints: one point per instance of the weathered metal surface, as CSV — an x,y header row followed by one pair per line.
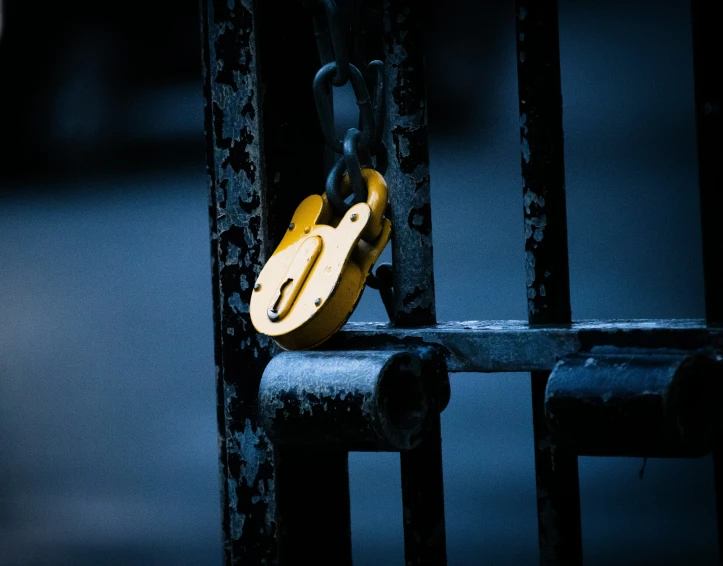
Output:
x,y
514,345
350,400
407,174
635,402
237,222
543,167
548,283
256,142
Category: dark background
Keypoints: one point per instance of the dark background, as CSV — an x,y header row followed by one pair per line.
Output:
x,y
107,407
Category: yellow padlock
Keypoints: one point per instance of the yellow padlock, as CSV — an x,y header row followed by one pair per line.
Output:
x,y
315,278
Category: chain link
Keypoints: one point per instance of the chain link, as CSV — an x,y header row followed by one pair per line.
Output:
x,y
325,106
330,40
362,146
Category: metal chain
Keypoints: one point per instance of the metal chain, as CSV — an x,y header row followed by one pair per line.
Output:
x,y
361,146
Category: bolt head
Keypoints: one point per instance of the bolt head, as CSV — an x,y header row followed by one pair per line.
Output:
x,y
257,286
354,217
291,226
317,302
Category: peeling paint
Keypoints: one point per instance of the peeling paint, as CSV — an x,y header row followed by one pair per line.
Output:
x,y
530,268
546,263
542,163
525,148
408,171
237,210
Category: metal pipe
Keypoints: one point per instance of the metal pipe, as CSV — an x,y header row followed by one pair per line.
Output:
x,y
626,402
349,400
407,174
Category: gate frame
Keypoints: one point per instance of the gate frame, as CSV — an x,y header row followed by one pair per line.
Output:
x,y
263,142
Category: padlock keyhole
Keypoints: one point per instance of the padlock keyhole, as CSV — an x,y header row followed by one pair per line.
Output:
x,y
274,310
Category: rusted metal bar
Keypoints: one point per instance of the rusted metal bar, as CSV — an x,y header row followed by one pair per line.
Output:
x,y
543,168
262,151
407,175
706,14
515,345
548,286
237,210
635,402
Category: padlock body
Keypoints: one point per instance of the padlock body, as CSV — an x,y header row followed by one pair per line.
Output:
x,y
315,287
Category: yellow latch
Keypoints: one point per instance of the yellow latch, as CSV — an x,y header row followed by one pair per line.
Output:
x,y
315,278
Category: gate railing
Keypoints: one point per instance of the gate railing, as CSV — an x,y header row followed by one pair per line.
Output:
x,y
265,153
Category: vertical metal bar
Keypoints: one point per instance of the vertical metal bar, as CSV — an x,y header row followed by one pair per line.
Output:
x,y
707,54
425,538
238,210
406,138
708,101
313,491
548,286
265,154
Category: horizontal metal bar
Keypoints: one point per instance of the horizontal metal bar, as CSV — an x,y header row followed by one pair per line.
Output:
x,y
513,345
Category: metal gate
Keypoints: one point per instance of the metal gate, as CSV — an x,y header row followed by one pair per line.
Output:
x,y
639,387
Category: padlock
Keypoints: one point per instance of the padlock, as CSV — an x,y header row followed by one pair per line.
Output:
x,y
313,281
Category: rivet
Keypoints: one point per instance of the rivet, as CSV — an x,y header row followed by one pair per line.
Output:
x,y
291,226
354,217
317,302
257,287
306,230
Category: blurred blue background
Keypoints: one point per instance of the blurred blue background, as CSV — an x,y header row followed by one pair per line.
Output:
x,y
108,450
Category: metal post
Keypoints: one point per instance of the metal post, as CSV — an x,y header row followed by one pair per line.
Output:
x,y
548,286
706,66
407,175
265,154
237,207
314,512
406,137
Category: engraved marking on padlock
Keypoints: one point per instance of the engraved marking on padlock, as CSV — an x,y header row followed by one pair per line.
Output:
x,y
294,279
